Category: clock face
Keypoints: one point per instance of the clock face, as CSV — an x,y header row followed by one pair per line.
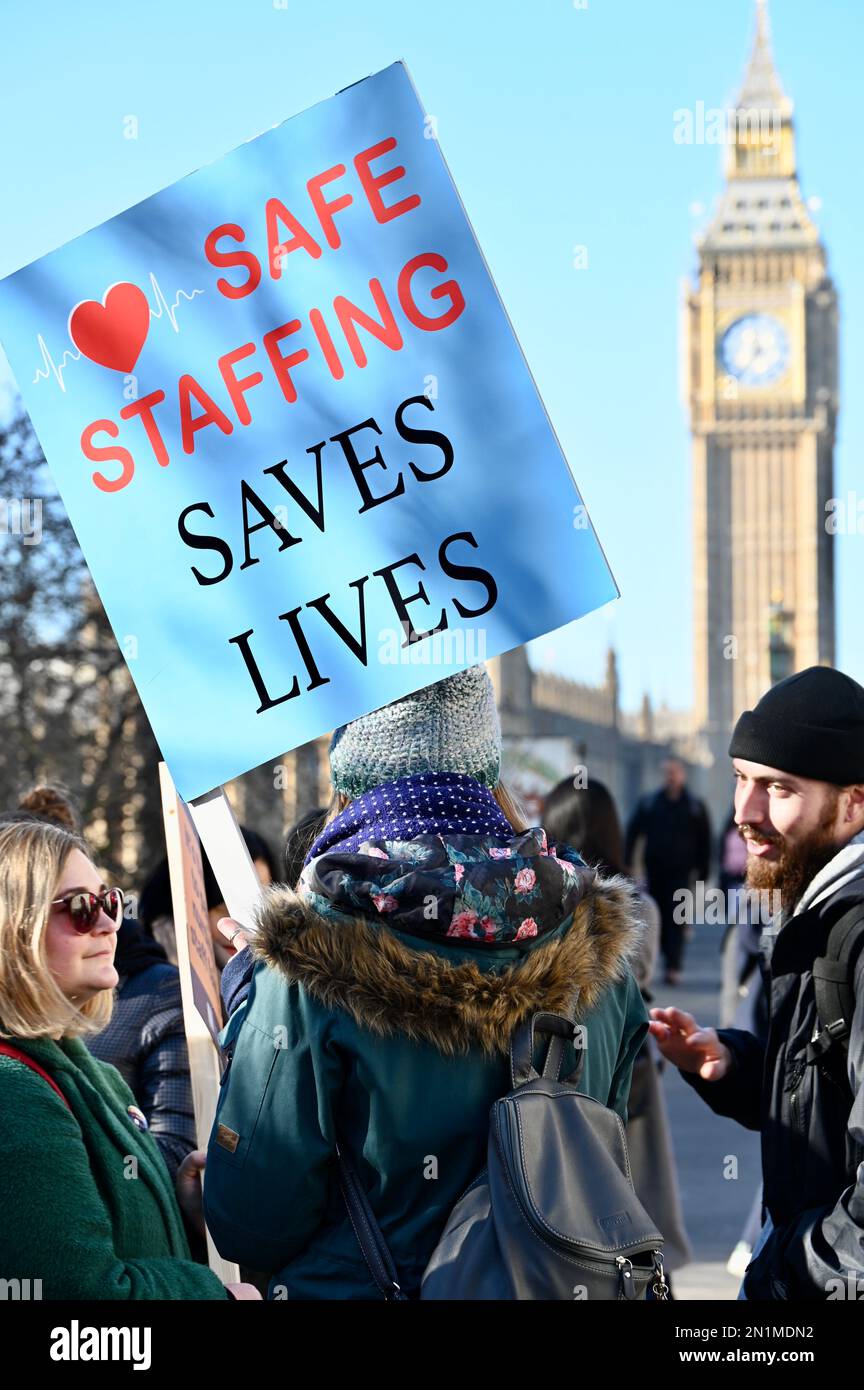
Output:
x,y
755,350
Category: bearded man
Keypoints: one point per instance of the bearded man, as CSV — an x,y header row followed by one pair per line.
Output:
x,y
798,759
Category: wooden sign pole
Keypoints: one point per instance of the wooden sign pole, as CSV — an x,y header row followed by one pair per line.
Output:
x,y
199,978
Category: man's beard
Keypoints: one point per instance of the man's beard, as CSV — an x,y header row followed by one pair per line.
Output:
x,y
798,865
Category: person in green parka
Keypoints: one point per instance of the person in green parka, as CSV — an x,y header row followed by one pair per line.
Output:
x,y
87,1207
373,1005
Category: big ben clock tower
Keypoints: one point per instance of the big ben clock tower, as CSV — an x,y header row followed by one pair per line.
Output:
x,y
762,384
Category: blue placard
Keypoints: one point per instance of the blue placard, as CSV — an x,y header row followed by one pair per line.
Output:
x,y
294,432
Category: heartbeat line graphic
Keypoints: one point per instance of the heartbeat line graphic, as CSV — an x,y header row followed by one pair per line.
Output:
x,y
164,307
51,368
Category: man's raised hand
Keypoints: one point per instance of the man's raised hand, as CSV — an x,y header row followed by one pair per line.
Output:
x,y
686,1045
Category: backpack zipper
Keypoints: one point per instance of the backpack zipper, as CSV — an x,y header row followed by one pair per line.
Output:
x,y
625,1276
795,1109
659,1288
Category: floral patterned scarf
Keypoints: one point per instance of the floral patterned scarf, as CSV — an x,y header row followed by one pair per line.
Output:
x,y
433,855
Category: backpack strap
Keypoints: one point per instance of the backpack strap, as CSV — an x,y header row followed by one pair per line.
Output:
x,y
524,1041
7,1050
370,1237
833,976
561,1028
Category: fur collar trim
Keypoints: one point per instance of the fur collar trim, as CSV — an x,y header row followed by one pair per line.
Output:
x,y
448,1000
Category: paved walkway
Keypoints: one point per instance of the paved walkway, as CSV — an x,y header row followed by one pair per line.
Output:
x,y
706,1146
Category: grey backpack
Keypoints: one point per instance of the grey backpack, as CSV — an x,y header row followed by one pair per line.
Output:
x,y
553,1215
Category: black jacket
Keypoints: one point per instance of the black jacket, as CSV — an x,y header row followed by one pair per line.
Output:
x,y
677,835
811,1116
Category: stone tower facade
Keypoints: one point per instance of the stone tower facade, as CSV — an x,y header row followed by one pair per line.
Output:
x,y
762,383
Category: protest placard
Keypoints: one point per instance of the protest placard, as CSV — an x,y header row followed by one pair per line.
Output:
x,y
199,977
296,436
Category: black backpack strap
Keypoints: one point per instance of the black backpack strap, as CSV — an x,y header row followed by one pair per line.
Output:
x,y
561,1029
370,1237
524,1042
833,977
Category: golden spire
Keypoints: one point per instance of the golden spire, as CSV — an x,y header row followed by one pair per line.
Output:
x,y
761,85
761,204
763,143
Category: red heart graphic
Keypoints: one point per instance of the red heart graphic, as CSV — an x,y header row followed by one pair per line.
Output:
x,y
114,332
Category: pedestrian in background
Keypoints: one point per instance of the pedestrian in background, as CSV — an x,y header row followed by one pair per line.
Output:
x,y
156,906
743,998
298,842
673,826
587,818
739,949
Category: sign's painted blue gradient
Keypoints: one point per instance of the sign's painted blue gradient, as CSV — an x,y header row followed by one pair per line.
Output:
x,y
509,485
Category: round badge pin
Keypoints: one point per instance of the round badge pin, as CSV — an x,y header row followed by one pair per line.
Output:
x,y
138,1118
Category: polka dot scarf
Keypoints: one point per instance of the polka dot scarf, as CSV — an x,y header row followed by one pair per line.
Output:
x,y
425,803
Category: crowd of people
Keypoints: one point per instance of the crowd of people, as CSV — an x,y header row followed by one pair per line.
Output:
x,y
408,931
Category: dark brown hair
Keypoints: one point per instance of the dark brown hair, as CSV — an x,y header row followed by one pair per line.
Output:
x,y
586,818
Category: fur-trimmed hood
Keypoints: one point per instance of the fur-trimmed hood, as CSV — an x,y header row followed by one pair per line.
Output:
x,y
452,995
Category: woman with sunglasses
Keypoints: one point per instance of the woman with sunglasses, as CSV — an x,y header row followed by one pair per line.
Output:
x,y
86,1204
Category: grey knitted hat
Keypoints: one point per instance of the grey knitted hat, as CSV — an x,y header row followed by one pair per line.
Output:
x,y
451,726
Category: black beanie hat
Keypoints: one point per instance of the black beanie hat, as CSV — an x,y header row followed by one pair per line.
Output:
x,y
810,725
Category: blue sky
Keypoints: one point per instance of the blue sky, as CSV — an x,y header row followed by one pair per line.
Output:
x,y
557,123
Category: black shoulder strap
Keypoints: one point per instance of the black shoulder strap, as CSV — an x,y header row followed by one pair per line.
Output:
x,y
833,981
370,1237
561,1028
523,1046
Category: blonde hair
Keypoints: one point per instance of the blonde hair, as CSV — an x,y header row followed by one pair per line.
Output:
x,y
32,1004
509,803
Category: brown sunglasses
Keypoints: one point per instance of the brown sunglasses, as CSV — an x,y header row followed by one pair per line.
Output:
x,y
84,908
